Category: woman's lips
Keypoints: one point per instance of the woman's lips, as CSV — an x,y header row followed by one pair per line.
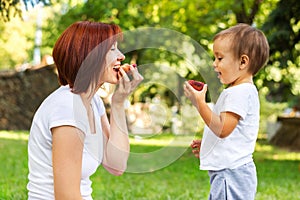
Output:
x,y
116,69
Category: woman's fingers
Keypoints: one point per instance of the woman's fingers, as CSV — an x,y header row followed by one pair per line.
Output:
x,y
124,74
137,77
127,85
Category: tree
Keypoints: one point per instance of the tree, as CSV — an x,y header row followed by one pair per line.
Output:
x,y
200,20
13,8
17,37
281,76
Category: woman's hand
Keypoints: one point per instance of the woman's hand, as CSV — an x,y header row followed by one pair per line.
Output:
x,y
126,86
195,145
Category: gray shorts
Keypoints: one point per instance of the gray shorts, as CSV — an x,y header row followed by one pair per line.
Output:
x,y
233,184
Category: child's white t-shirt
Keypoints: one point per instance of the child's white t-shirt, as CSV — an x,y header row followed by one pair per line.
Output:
x,y
60,108
237,148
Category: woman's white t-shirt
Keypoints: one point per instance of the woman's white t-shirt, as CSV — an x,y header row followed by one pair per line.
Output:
x,y
237,148
60,108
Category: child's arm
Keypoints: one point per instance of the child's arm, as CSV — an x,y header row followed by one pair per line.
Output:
x,y
222,125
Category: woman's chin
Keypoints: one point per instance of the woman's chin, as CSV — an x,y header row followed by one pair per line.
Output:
x,y
115,80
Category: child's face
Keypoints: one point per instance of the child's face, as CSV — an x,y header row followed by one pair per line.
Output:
x,y
225,63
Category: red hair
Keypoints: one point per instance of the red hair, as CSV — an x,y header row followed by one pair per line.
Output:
x,y
82,47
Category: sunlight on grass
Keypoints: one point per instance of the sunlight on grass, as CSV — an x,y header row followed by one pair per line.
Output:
x,y
14,135
271,152
166,140
160,140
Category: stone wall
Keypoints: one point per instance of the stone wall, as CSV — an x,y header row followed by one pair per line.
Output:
x,y
21,93
288,133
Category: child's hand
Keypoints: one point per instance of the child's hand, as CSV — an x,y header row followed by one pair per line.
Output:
x,y
195,145
194,95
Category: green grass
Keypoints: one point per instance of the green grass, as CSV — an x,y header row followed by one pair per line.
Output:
x,y
278,173
13,165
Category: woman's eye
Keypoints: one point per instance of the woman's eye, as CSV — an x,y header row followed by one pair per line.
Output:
x,y
113,47
220,59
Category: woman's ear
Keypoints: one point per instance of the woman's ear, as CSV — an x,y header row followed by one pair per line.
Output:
x,y
244,61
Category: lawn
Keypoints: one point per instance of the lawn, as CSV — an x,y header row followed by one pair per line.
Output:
x,y
180,179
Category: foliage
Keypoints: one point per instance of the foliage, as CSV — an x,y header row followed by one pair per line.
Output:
x,y
17,41
268,115
9,8
278,174
282,29
199,20
17,36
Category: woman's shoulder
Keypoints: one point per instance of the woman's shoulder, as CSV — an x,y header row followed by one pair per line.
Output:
x,y
62,94
59,98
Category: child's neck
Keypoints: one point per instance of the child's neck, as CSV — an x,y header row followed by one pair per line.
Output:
x,y
241,80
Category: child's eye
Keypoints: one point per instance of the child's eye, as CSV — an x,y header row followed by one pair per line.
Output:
x,y
217,58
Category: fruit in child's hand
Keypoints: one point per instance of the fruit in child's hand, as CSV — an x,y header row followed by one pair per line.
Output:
x,y
197,85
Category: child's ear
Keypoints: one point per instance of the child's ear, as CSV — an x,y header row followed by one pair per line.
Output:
x,y
244,61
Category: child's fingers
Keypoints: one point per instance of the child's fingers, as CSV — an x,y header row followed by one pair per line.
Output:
x,y
196,153
195,143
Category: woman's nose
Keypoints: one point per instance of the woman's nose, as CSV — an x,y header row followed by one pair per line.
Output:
x,y
121,56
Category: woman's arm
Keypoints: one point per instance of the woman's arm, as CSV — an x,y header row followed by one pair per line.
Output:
x,y
116,142
67,147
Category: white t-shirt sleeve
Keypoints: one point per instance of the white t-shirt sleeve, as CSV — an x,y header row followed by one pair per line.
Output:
x,y
72,114
236,101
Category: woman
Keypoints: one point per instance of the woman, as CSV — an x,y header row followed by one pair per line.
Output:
x,y
70,134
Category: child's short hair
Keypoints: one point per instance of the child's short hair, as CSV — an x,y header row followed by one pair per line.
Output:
x,y
249,41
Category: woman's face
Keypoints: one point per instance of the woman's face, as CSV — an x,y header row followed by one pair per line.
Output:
x,y
113,60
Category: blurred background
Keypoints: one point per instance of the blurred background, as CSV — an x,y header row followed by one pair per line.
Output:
x,y
29,29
